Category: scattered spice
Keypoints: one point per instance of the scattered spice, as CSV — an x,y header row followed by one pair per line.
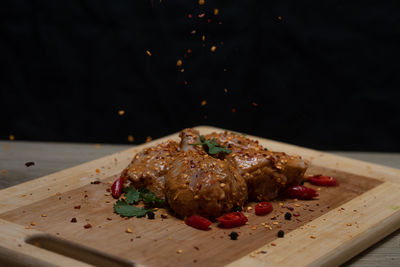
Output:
x,y
87,226
213,48
201,15
11,137
131,138
348,224
44,215
279,17
73,220
216,11
128,230
98,170
281,233
121,112
164,216
29,163
3,171
77,207
95,182
148,53
179,63
201,2
233,235
288,216
179,251
150,215
203,103
203,38
33,223
148,139
313,237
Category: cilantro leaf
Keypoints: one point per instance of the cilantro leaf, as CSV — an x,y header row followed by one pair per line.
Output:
x,y
132,196
211,146
149,197
122,208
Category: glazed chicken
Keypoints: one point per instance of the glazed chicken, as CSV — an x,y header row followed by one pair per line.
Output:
x,y
149,167
266,173
194,182
200,184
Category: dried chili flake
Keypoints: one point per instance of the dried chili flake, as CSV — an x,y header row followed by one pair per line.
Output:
x,y
279,17
233,110
87,226
148,53
148,139
203,38
225,90
131,138
254,104
201,15
3,171
179,63
216,11
44,215
11,137
203,103
213,48
190,16
98,170
95,182
201,2
73,220
77,207
121,112
189,51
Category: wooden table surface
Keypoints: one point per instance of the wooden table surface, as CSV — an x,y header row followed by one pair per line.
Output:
x,y
51,157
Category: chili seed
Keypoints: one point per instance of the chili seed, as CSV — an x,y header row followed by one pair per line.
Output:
x,y
281,233
234,235
150,215
288,216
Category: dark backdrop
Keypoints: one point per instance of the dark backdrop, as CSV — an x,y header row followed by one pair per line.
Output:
x,y
322,74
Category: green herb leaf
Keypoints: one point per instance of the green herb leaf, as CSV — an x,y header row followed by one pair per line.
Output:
x,y
212,145
132,196
124,209
149,197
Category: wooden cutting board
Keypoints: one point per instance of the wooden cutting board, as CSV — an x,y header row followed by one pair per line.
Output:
x,y
36,227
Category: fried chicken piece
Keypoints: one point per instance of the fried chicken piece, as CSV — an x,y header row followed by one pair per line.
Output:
x,y
149,167
197,183
266,173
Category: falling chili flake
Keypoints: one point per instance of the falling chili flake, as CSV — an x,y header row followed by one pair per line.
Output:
x,y
225,90
203,38
234,110
29,163
121,112
131,138
201,15
190,16
201,2
189,51
193,32
280,17
179,63
185,83
213,48
98,170
203,103
182,70
3,171
148,139
254,104
216,11
148,53
11,137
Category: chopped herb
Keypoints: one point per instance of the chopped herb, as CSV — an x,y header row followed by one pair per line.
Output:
x,y
124,209
132,196
211,146
149,197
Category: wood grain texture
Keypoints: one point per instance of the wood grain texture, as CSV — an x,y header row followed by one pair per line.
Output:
x,y
73,180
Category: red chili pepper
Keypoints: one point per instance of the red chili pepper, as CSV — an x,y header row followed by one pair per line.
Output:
x,y
323,180
198,222
117,186
263,208
300,192
232,219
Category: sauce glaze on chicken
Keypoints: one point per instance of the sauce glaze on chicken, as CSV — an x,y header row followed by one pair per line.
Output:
x,y
194,182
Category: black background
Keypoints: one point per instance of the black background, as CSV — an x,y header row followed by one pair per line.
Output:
x,y
321,74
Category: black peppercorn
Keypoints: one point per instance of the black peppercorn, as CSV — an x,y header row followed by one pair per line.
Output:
x,y
281,233
150,215
288,216
236,208
234,235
